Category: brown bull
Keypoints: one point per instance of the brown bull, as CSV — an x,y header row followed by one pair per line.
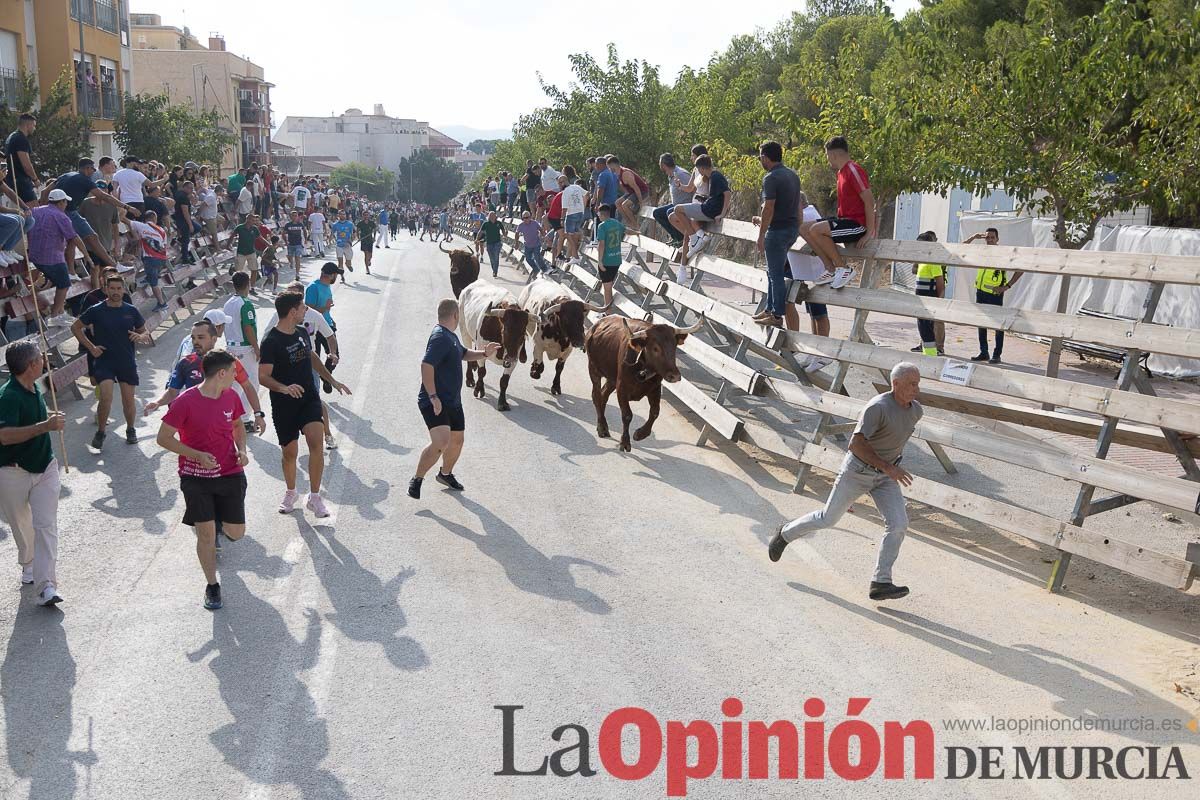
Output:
x,y
464,268
632,358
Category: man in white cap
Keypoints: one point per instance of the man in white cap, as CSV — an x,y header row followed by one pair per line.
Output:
x,y
48,239
214,315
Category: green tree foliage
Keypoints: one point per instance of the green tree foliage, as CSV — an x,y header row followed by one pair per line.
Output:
x,y
151,127
483,147
61,138
433,180
374,182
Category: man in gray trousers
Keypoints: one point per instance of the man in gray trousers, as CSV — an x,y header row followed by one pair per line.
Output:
x,y
872,467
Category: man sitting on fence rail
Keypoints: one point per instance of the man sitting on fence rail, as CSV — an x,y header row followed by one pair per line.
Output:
x,y
872,466
855,220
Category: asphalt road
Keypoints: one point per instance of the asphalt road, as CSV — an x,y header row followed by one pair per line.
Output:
x,y
363,656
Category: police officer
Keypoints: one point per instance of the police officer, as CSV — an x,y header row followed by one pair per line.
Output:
x,y
931,282
990,286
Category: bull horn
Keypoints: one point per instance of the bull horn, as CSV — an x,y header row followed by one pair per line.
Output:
x,y
691,329
639,335
444,250
498,313
552,309
597,309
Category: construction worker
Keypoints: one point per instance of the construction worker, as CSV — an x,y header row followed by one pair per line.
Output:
x,y
990,286
931,282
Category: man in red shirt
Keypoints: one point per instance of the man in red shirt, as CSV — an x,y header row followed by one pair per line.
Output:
x,y
855,220
554,220
202,426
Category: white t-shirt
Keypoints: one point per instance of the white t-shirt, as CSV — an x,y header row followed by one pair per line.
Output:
x,y
314,323
245,200
805,267
129,185
550,179
317,221
493,187
208,204
700,182
573,199
300,198
234,337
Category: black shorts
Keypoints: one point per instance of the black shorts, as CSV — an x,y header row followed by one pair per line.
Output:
x,y
452,417
608,274
291,415
845,230
555,224
122,371
25,190
816,310
210,499
367,247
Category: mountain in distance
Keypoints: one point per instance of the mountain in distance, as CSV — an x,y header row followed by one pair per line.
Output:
x,y
467,134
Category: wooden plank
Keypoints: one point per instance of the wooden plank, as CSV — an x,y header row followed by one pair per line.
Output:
x,y
70,372
1182,342
724,315
1158,567
1158,411
719,418
1173,492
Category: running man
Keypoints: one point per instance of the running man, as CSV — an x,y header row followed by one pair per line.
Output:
x,y
343,239
440,398
366,241
116,326
296,233
201,427
872,466
287,366
241,334
855,220
609,234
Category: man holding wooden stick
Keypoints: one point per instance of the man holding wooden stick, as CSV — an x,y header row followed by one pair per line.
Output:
x,y
872,467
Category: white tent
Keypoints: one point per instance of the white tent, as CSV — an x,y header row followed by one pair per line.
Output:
x,y
1179,306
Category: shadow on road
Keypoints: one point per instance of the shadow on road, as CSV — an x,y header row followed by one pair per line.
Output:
x,y
276,736
365,609
527,568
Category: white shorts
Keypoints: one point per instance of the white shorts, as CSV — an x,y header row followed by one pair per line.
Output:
x,y
346,252
246,263
694,211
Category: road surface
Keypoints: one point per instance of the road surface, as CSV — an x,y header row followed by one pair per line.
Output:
x,y
363,656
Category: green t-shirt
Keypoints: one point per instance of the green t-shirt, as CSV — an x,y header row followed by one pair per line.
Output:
x,y
611,232
246,236
492,231
366,232
20,407
248,317
236,182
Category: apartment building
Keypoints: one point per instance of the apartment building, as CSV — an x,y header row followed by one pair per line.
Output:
x,y
374,139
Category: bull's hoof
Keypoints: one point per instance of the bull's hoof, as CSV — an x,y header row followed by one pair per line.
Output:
x,y
479,390
556,388
602,431
626,447
470,380
641,433
503,406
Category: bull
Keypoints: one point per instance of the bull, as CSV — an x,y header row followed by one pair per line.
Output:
x,y
632,358
556,326
490,313
464,269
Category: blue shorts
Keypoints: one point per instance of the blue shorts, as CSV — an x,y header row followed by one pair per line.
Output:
x,y
122,371
82,228
153,266
816,310
57,274
295,250
573,222
632,199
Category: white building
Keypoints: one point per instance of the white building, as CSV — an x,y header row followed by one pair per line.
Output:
x,y
373,139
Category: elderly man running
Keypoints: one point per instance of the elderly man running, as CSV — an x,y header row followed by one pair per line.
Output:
x,y
872,467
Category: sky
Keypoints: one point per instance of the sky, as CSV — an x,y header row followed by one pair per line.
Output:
x,y
439,62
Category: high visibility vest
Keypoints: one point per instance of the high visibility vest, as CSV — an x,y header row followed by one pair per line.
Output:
x,y
988,280
926,277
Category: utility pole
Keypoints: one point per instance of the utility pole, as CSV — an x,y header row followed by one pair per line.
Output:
x,y
83,93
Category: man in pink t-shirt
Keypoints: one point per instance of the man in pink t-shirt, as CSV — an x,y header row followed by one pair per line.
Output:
x,y
203,426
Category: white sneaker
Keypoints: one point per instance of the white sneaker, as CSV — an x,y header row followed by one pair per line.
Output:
x,y
288,504
27,575
694,239
316,505
816,363
841,277
330,444
826,277
63,320
49,596
6,259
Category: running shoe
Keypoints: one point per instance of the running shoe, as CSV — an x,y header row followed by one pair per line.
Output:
x,y
841,277
27,575
816,363
288,504
131,435
777,545
330,444
449,480
161,307
212,596
98,440
414,488
63,320
697,248
887,591
49,596
316,504
826,277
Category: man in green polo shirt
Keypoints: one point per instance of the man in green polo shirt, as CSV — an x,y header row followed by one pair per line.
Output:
x,y
28,471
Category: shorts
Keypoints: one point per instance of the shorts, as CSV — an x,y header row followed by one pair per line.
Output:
x,y
210,499
246,263
56,273
452,417
152,267
816,310
104,369
608,274
574,222
632,199
212,229
291,415
693,211
555,224
25,189
83,228
845,230
366,246
346,251
296,250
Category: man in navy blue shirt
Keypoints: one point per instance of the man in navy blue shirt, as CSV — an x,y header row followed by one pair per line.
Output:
x,y
79,185
440,397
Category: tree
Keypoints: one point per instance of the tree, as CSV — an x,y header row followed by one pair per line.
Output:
x,y
61,138
374,182
429,179
151,127
483,147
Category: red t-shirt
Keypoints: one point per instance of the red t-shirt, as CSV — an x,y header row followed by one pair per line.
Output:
x,y
555,207
207,425
852,181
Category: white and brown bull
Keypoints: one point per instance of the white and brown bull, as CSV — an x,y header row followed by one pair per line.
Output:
x,y
556,322
490,313
633,358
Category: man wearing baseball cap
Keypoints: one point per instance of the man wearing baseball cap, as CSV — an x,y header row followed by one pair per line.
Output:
x,y
52,231
214,315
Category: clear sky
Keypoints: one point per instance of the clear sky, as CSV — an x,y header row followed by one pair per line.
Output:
x,y
438,61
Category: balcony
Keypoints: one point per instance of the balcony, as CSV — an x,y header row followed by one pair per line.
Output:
x,y
251,114
107,16
83,11
10,86
101,103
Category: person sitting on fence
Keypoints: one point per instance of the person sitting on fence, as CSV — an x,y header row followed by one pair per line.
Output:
x,y
805,267
49,238
16,216
931,282
855,220
689,217
633,190
677,181
990,286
